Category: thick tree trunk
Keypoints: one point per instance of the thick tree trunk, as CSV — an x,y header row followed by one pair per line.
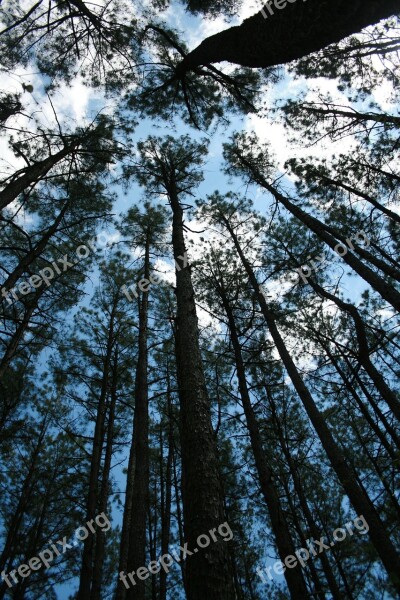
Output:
x,y
208,572
294,577
296,30
140,496
356,494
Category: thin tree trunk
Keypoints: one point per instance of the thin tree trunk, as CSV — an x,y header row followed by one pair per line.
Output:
x,y
294,576
298,486
389,428
35,252
18,334
363,348
386,211
120,593
179,518
9,549
389,492
314,577
166,508
363,409
86,573
98,563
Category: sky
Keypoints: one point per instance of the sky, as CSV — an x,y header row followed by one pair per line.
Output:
x,y
77,102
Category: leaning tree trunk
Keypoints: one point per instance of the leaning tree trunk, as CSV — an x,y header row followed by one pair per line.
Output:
x,y
30,305
359,402
11,539
331,237
364,350
356,494
296,30
32,175
208,572
30,256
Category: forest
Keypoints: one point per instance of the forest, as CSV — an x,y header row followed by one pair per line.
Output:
x,y
199,297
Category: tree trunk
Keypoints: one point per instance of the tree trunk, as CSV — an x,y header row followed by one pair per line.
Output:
x,y
208,572
388,426
363,348
166,505
140,496
98,563
32,175
348,188
35,252
298,486
324,232
294,577
363,409
86,573
9,549
299,28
